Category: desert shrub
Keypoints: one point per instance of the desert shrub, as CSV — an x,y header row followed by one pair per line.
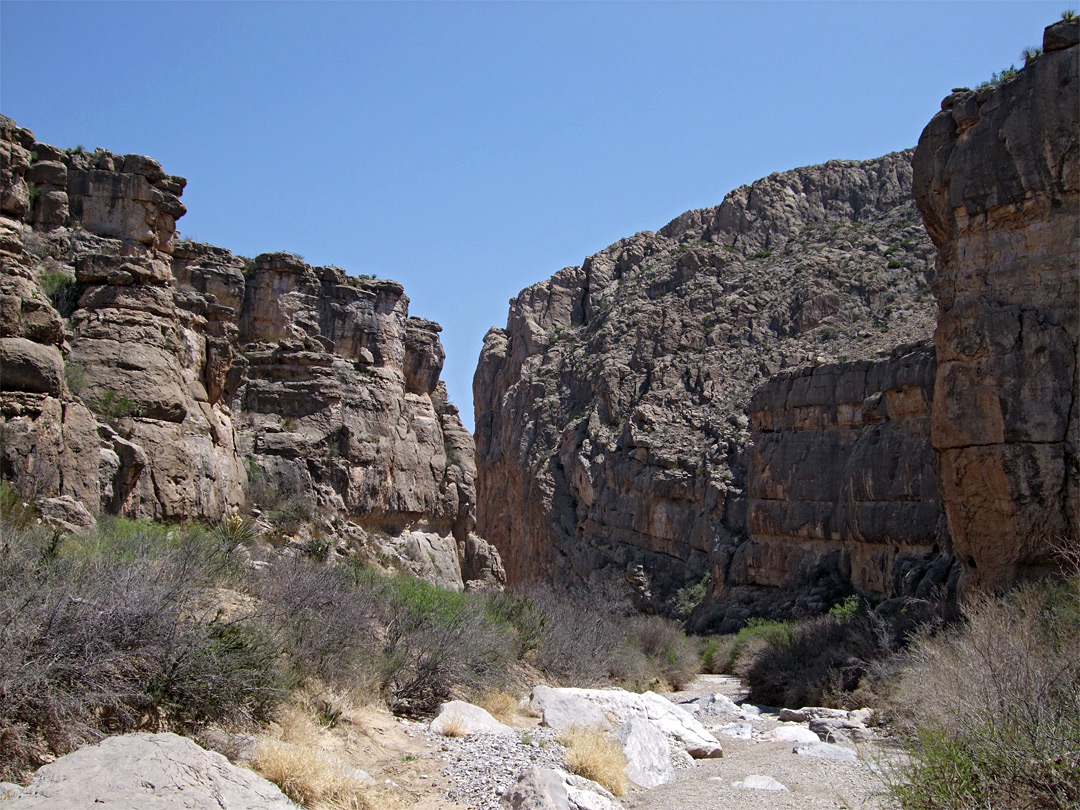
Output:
x,y
107,636
716,653
991,708
324,621
63,291
593,753
757,634
581,635
520,613
803,663
666,646
499,703
435,640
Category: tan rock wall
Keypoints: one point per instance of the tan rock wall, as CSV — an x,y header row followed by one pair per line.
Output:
x,y
997,178
215,379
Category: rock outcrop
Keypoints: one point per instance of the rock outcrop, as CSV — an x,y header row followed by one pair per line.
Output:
x,y
155,377
611,412
147,772
997,179
843,492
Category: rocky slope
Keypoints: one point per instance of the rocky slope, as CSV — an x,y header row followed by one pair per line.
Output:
x,y
997,179
152,377
611,412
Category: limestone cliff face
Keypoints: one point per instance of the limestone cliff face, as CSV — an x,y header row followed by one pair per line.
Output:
x,y
997,179
843,492
171,379
611,419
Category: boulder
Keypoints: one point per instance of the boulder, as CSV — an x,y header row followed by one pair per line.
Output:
x,y
560,711
458,718
674,721
792,733
29,366
824,750
647,752
550,789
148,772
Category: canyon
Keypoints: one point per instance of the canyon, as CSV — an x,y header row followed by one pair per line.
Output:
x,y
853,377
795,395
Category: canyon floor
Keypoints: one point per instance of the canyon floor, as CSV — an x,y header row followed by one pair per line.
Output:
x,y
422,770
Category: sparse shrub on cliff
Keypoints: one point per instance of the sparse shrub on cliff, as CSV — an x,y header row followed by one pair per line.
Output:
x,y
991,708
62,289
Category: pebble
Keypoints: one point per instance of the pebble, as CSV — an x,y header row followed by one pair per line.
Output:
x,y
483,766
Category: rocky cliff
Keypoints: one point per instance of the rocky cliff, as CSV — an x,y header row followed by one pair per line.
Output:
x,y
997,179
153,377
611,412
618,428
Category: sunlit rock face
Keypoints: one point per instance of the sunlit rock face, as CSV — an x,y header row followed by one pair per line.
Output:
x,y
170,379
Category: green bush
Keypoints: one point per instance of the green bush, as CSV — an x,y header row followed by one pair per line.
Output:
x,y
63,291
991,708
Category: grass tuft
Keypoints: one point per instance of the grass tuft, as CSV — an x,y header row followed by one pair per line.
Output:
x,y
594,754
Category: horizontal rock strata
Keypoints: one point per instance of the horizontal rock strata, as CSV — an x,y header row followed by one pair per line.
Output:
x,y
155,377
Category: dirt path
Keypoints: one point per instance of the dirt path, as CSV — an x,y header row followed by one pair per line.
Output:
x,y
812,783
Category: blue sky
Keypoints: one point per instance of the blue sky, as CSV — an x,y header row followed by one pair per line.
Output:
x,y
471,149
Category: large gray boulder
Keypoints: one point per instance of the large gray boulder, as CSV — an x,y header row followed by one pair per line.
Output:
x,y
549,789
148,772
560,710
674,721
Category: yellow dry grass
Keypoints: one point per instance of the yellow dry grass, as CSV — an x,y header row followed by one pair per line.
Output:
x,y
500,704
309,777
593,753
453,727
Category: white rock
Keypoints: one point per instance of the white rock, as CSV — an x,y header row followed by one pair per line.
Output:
x,y
807,713
792,733
715,704
560,711
647,752
148,772
826,750
673,720
758,782
466,719
741,731
550,789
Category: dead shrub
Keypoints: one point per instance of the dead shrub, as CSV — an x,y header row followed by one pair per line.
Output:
x,y
105,635
991,708
594,754
454,726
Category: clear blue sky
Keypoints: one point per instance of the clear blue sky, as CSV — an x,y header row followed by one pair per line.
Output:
x,y
471,149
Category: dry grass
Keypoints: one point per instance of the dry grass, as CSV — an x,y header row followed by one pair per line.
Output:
x,y
500,704
595,755
310,777
454,726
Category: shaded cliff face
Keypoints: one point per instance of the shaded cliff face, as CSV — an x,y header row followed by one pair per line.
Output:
x,y
611,411
170,379
843,493
997,179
